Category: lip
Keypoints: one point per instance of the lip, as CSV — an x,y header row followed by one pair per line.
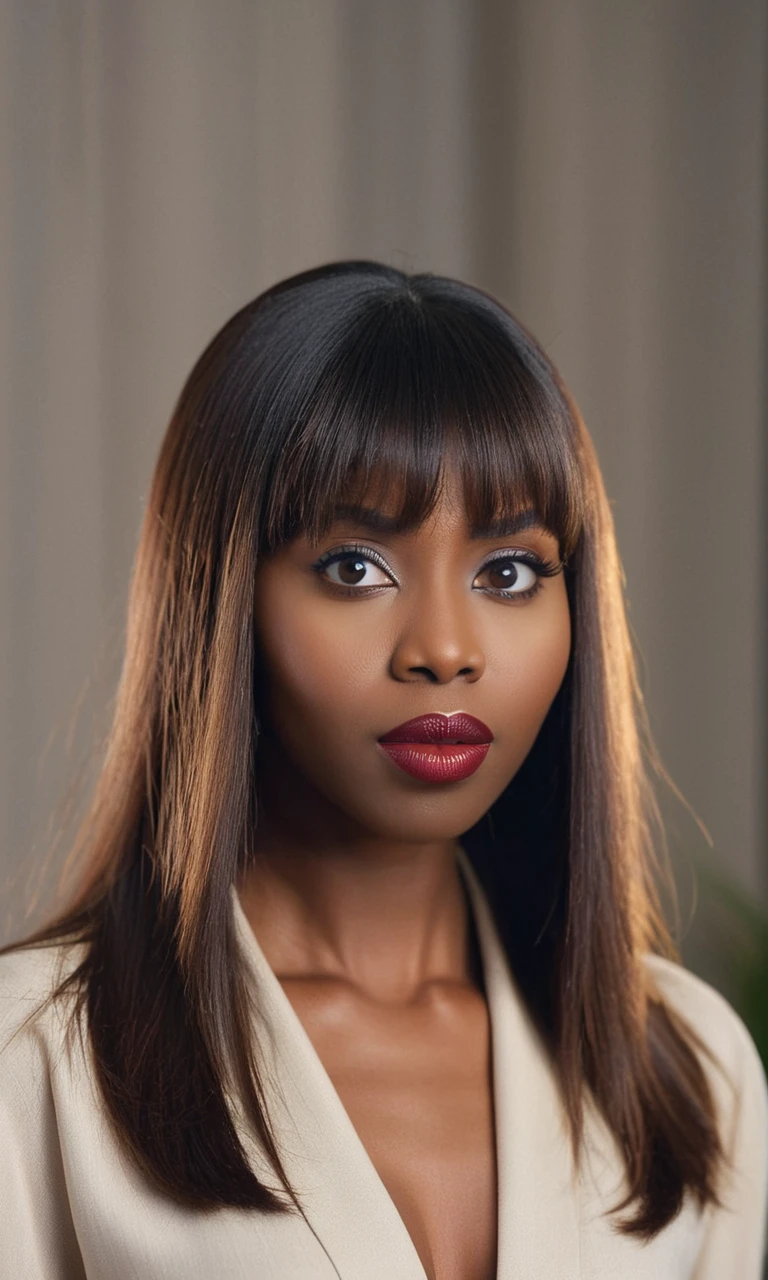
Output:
x,y
436,727
438,748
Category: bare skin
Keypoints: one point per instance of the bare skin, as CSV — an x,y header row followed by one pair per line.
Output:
x,y
354,893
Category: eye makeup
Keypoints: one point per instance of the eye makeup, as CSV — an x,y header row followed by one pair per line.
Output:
x,y
540,567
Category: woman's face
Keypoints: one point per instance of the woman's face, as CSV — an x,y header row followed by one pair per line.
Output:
x,y
353,642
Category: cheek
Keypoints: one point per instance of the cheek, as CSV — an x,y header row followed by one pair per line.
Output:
x,y
314,681
531,665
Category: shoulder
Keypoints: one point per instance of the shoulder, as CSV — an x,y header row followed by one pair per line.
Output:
x,y
709,1015
29,978
37,1116
35,1042
728,1055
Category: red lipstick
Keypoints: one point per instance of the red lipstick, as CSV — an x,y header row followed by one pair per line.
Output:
x,y
438,748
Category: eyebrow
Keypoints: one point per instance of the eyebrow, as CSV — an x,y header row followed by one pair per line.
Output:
x,y
375,521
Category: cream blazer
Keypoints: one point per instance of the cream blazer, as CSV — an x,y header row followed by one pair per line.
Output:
x,y
72,1205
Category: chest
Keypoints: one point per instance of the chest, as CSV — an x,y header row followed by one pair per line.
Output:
x,y
416,1083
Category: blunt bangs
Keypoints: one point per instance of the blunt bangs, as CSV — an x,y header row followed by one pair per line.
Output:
x,y
427,373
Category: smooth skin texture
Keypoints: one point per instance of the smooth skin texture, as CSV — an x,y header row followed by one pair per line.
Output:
x,y
354,893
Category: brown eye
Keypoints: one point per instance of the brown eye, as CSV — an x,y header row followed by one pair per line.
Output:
x,y
352,569
512,576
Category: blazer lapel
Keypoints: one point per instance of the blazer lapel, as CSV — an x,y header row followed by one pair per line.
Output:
x,y
538,1187
345,1202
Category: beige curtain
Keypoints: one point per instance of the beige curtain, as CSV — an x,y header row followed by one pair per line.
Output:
x,y
599,164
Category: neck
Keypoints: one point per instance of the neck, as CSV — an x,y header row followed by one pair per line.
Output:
x,y
388,918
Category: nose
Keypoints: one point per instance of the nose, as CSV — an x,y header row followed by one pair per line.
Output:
x,y
439,641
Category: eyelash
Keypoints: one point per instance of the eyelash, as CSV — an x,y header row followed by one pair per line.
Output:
x,y
542,569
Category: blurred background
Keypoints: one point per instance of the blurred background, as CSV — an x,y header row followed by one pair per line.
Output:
x,y
599,165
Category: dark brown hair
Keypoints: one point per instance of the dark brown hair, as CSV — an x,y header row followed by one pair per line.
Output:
x,y
331,380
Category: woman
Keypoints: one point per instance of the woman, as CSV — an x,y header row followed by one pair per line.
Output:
x,y
364,975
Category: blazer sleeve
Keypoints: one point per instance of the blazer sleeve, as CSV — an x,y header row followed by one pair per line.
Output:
x,y
37,1235
734,1238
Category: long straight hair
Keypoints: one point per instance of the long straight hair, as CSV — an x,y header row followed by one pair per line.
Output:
x,y
350,375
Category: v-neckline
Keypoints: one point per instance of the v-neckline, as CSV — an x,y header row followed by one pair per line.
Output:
x,y
344,1199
